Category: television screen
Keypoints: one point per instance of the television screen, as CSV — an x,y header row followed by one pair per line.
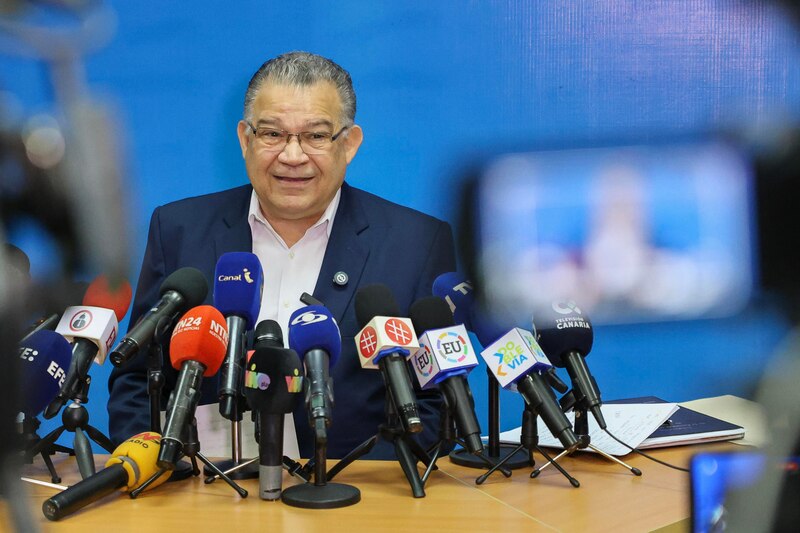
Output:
x,y
631,233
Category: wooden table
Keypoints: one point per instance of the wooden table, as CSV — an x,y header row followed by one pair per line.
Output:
x,y
610,499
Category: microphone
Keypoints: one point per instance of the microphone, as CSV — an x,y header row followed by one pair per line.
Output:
x,y
45,356
314,335
268,333
445,358
131,464
183,289
565,334
197,347
273,381
459,293
238,284
518,363
384,342
92,329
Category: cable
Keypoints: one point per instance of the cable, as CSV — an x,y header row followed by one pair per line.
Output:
x,y
659,461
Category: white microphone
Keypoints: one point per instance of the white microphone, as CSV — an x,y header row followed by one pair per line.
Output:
x,y
384,343
92,331
518,363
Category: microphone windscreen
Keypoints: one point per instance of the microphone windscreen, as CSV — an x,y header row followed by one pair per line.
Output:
x,y
485,328
313,327
116,297
189,283
273,380
268,332
457,290
45,358
141,452
375,300
238,284
200,335
562,327
430,312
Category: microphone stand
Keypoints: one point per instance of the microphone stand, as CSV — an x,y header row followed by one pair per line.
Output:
x,y
155,384
321,494
509,455
75,419
293,467
191,449
30,438
405,448
529,441
577,402
235,467
447,437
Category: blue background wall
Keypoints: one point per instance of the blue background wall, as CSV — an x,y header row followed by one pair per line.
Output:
x,y
438,84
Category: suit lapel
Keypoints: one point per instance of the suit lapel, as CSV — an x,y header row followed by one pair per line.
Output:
x,y
346,252
235,235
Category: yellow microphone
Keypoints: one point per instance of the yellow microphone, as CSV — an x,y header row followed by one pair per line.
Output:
x,y
131,464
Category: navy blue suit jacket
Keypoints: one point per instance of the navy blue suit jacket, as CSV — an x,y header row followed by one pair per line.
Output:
x,y
372,240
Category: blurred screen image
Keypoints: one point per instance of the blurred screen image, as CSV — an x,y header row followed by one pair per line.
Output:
x,y
635,233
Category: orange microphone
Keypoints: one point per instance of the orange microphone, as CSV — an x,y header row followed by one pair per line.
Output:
x,y
133,462
197,348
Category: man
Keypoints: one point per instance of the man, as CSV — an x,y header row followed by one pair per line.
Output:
x,y
312,232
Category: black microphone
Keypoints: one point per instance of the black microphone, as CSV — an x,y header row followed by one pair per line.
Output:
x,y
183,289
565,334
384,342
446,360
273,383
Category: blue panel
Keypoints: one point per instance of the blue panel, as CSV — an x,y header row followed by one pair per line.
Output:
x,y
440,83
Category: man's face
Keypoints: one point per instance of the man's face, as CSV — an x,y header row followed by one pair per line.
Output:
x,y
290,184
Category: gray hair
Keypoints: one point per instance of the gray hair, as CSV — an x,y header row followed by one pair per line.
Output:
x,y
303,69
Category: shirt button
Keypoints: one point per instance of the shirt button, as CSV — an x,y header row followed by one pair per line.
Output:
x,y
291,255
286,305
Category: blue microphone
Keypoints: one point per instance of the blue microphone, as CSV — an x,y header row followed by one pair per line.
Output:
x,y
315,336
238,284
45,358
459,293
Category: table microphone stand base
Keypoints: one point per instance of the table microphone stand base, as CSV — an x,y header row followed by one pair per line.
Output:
x,y
447,437
582,432
405,449
191,449
328,496
509,455
528,442
321,494
495,452
75,419
30,438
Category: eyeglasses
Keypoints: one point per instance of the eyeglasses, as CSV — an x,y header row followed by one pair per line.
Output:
x,y
311,142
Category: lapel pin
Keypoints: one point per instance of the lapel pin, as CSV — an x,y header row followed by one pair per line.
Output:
x,y
340,278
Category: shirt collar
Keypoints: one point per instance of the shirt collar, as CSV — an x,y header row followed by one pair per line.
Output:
x,y
255,214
